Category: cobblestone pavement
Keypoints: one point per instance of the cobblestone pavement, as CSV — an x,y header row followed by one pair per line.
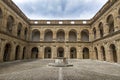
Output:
x,y
39,70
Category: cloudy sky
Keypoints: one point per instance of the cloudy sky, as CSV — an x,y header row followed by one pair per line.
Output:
x,y
60,9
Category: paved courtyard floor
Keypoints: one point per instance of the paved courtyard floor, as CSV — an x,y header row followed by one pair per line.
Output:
x,y
39,70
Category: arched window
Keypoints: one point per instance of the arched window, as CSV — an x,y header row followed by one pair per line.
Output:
x,y
7,52
48,35
110,21
60,52
34,53
10,24
103,53
60,35
72,36
17,53
94,33
101,29
113,53
19,28
47,52
96,53
25,33
85,53
35,35
73,53
85,35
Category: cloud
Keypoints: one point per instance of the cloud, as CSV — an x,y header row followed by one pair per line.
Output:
x,y
60,9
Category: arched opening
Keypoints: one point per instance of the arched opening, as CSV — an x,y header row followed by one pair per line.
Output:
x,y
60,52
110,21
17,53
35,35
113,53
25,33
24,51
7,52
10,24
47,52
85,53
94,33
34,53
101,29
73,53
19,28
103,53
96,53
1,15
48,35
72,36
60,35
85,35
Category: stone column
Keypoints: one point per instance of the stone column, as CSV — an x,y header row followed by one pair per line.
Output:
x,y
42,35
107,53
116,20
42,51
78,36
97,33
118,50
78,53
99,54
90,52
66,53
21,53
14,28
12,54
106,29
66,36
54,52
54,36
39,53
2,44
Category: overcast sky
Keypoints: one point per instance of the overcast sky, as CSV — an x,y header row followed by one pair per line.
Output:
x,y
60,9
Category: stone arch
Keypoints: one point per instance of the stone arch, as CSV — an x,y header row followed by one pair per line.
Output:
x,y
17,52
25,33
113,53
48,35
47,52
85,53
110,21
34,53
73,35
103,53
7,52
35,35
101,29
60,52
10,24
96,53
85,35
94,32
73,52
24,52
60,35
19,28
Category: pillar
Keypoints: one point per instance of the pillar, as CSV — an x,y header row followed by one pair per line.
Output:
x,y
54,52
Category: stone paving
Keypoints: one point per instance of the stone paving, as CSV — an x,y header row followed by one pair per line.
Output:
x,y
39,70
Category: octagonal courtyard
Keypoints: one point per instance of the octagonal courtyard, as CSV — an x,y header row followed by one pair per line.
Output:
x,y
39,70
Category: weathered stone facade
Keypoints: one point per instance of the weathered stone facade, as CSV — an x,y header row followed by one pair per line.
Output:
x,y
97,38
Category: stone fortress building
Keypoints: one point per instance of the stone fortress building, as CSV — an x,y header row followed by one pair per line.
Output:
x,y
97,38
